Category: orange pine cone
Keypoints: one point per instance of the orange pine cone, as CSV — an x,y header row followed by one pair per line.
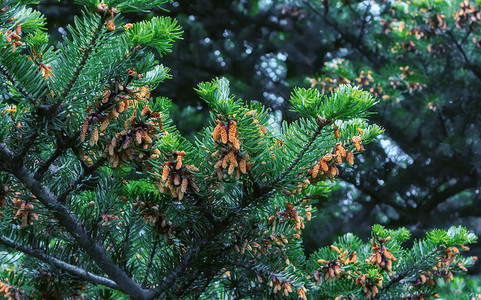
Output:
x,y
216,132
165,171
232,131
243,166
223,134
94,137
179,162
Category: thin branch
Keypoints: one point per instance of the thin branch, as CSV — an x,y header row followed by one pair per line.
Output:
x,y
364,21
298,158
74,270
17,85
77,181
347,37
70,222
151,259
82,63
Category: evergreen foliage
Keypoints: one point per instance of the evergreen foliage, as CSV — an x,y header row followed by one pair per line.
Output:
x,y
104,197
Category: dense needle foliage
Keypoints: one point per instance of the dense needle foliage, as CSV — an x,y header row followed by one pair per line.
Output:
x,y
100,195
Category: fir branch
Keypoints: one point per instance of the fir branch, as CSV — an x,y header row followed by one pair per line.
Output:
x,y
17,85
186,260
82,63
69,221
151,259
399,277
77,181
298,158
71,269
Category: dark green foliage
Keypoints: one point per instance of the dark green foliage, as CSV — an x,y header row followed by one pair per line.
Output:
x,y
97,182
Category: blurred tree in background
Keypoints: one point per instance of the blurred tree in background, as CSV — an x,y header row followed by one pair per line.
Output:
x,y
421,58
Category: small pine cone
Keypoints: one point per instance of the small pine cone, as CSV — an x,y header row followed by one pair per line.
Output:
x,y
179,162
323,165
338,158
243,166
110,149
114,113
223,134
225,161
192,168
333,171
147,139
216,132
128,141
236,144
138,137
183,186
341,150
180,195
165,171
337,133
104,124
232,131
232,159
237,174
219,164
231,169
315,170
177,179
120,107
145,111
129,153
111,25
350,157
115,161
94,137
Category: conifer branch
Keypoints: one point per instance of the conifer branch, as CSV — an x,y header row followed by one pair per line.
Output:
x,y
82,63
17,85
298,157
71,269
75,183
151,259
69,221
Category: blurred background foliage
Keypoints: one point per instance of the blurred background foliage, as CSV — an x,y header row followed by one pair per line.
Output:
x,y
421,58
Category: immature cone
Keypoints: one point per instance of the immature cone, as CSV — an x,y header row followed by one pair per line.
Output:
x,y
177,176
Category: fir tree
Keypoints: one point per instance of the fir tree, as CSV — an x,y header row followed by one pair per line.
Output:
x,y
100,195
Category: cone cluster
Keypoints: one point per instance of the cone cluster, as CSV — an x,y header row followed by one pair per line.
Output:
x,y
133,142
177,176
229,159
381,256
152,215
369,285
326,166
103,9
136,139
24,212
332,269
13,37
280,286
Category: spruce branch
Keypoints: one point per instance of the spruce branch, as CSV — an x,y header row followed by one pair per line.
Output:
x,y
71,269
70,222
